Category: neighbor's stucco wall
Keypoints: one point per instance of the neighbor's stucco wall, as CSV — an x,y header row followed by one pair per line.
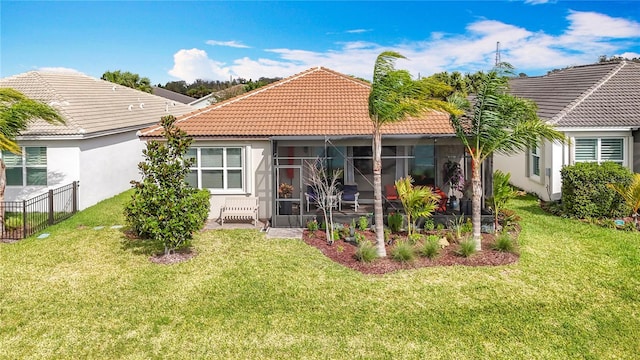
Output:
x,y
107,166
62,169
553,157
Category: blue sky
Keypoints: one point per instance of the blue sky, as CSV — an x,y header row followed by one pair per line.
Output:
x,y
171,40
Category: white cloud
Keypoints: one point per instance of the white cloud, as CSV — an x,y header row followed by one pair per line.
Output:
x,y
591,24
587,36
629,55
537,2
357,31
233,44
59,70
193,64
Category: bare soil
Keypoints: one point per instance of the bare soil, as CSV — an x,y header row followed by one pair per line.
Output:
x,y
343,253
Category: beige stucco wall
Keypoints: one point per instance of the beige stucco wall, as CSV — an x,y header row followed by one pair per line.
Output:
x,y
257,175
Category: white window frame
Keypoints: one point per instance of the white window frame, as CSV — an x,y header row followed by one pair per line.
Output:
x,y
198,169
24,166
598,154
535,153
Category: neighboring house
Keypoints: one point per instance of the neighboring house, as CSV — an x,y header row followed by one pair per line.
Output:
x,y
98,146
249,145
213,97
172,95
596,106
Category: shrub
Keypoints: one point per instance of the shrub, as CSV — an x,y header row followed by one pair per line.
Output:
x,y
395,222
12,223
363,223
414,238
467,248
312,225
504,243
164,207
429,225
430,248
403,252
359,238
366,252
585,191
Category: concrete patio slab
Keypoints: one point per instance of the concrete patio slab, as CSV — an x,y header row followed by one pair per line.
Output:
x,y
285,233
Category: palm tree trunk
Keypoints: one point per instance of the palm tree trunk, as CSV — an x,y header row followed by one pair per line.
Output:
x,y
476,214
377,192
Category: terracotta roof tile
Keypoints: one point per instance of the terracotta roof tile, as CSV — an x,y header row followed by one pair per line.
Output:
x,y
318,101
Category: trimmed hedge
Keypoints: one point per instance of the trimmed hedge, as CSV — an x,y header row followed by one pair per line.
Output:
x,y
585,193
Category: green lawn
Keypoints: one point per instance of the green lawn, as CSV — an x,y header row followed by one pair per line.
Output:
x,y
86,293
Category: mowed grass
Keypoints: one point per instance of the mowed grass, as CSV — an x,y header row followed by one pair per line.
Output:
x,y
87,293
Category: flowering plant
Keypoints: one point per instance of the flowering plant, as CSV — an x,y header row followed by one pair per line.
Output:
x,y
453,175
285,190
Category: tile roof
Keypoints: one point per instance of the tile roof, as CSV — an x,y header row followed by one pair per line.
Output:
x,y
90,105
318,101
597,95
172,95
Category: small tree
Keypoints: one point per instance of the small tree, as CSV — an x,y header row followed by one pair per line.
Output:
x,y
325,187
502,193
164,207
418,201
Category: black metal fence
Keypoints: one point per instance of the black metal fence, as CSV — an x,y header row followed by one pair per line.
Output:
x,y
27,217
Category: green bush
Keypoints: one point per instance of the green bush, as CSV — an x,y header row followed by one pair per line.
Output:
x,y
394,220
363,223
504,243
585,192
164,207
312,225
467,248
366,252
429,225
403,252
415,238
430,248
12,223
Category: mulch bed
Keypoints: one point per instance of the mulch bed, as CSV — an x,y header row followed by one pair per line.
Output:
x,y
343,253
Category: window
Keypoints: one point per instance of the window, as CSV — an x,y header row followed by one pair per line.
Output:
x,y
535,162
217,168
600,150
422,165
28,168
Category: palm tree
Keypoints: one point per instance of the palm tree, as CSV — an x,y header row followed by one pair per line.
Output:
x,y
498,123
631,194
395,96
16,112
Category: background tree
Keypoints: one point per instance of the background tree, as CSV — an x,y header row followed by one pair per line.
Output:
x,y
498,123
163,207
395,96
16,113
128,79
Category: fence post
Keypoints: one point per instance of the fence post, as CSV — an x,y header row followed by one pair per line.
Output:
x,y
50,207
74,206
24,219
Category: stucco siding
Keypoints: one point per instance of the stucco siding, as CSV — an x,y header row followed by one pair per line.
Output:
x,y
107,165
257,175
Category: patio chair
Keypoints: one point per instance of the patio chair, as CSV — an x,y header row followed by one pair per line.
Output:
x,y
349,195
390,196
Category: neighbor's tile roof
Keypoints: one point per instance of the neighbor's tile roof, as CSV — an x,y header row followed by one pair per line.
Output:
x,y
172,95
90,105
597,95
318,101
